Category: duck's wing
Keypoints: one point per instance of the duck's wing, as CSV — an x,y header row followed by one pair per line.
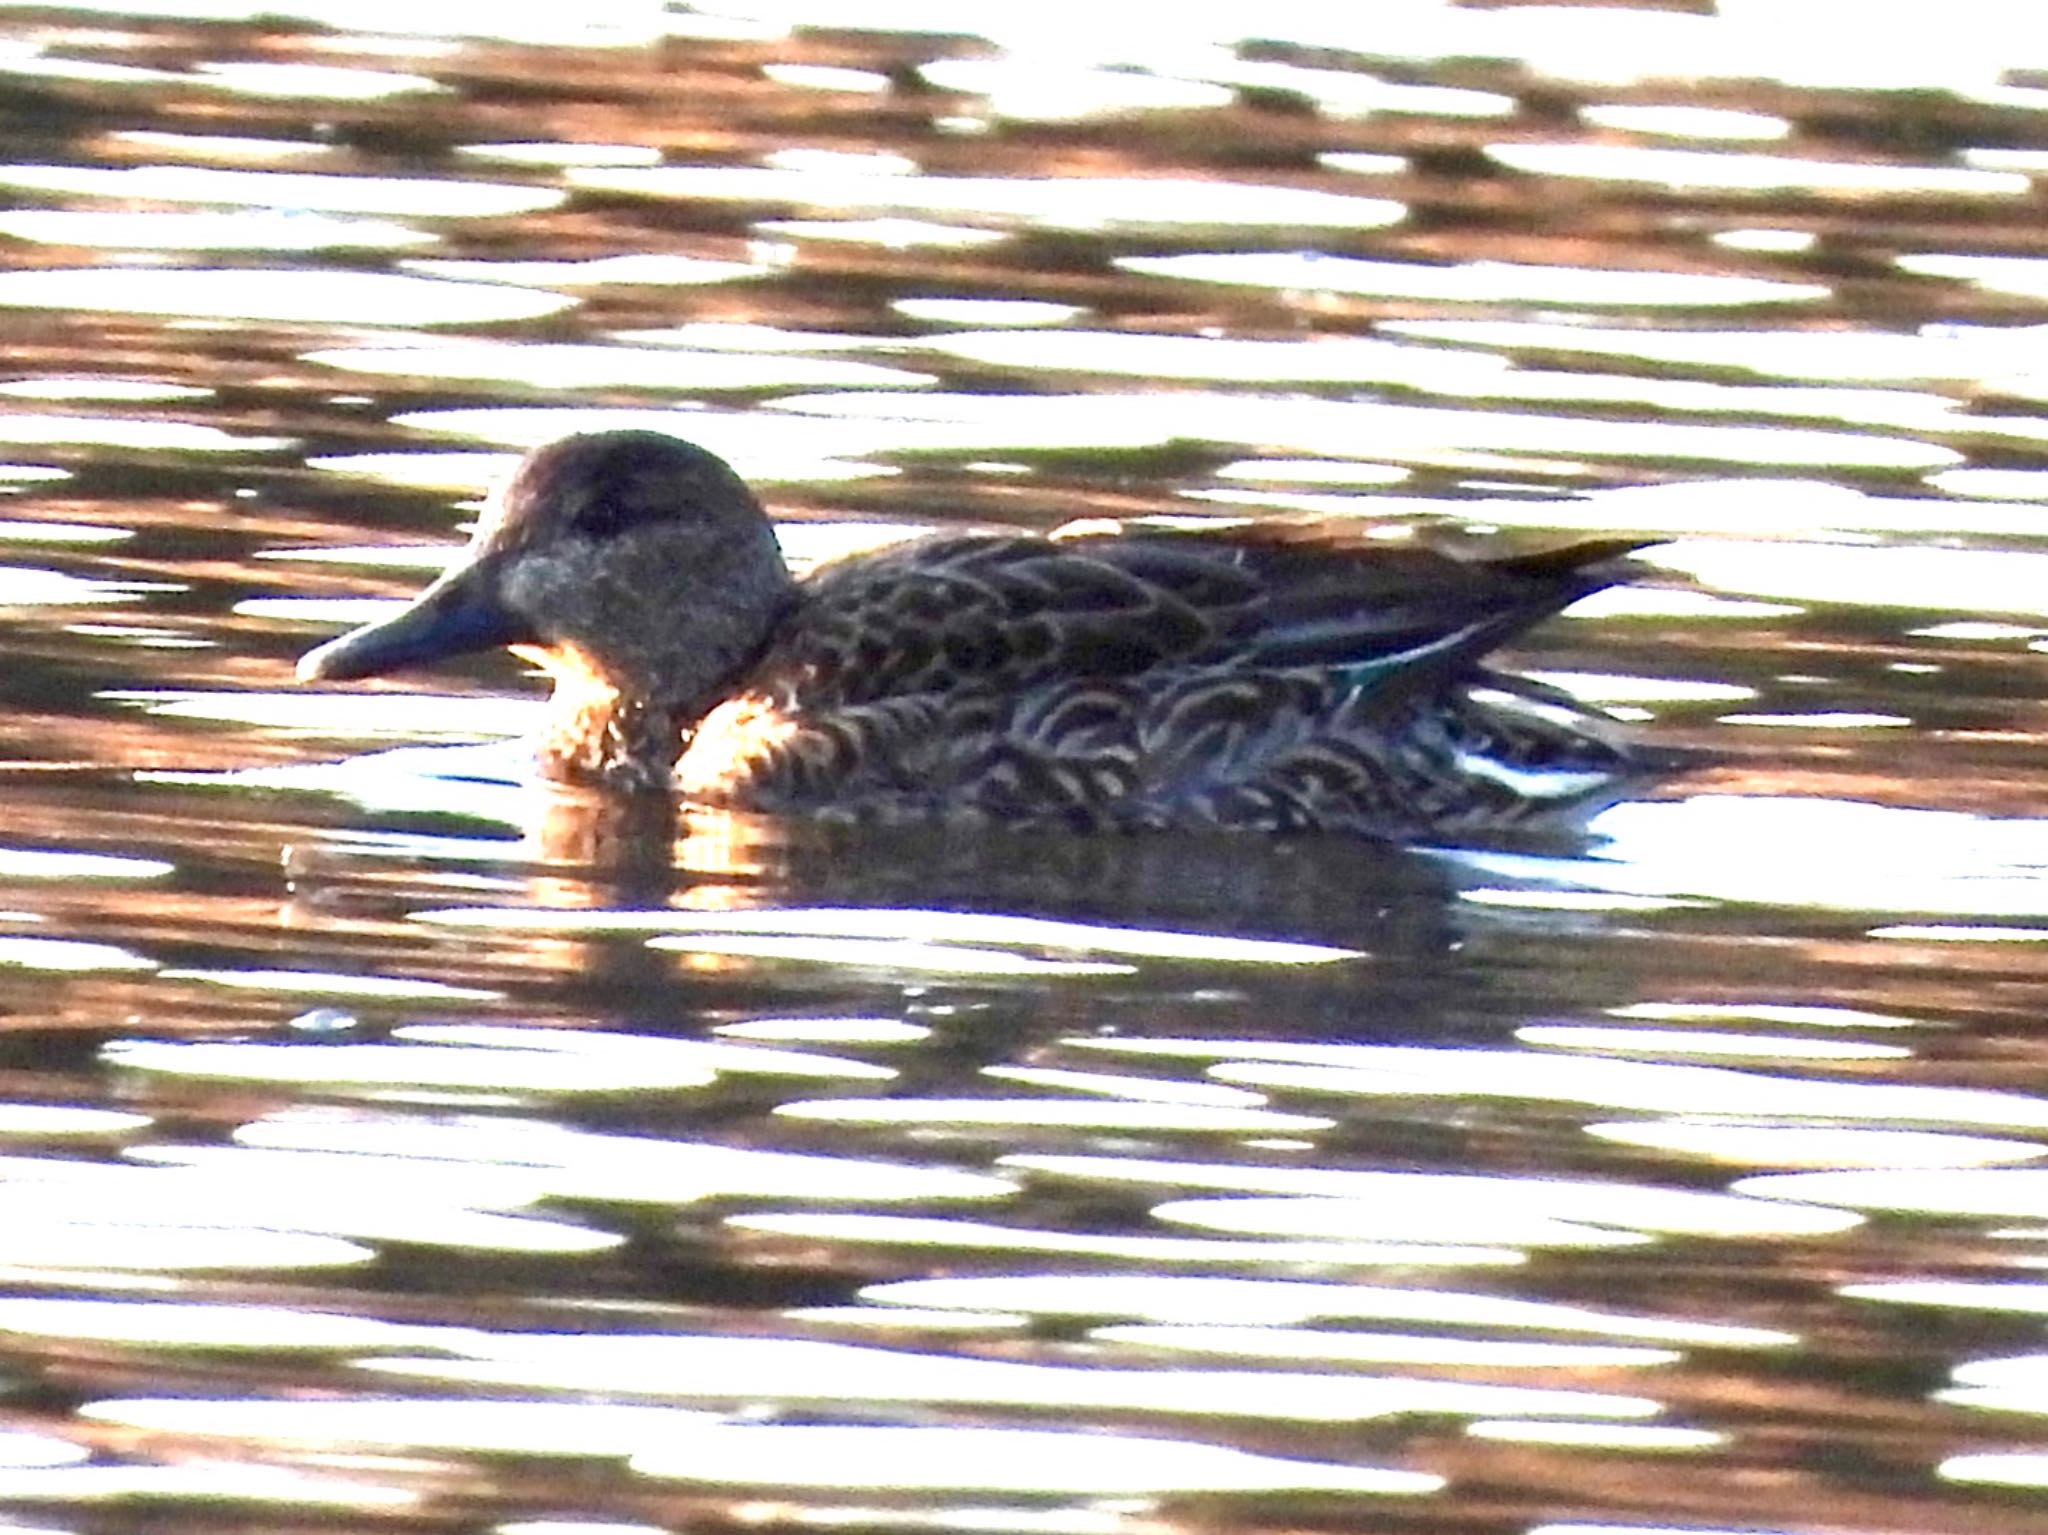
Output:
x,y
1012,612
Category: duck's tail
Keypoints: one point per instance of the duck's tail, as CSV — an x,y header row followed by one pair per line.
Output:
x,y
1453,616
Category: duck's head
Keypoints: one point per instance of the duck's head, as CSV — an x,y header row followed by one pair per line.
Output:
x,y
636,568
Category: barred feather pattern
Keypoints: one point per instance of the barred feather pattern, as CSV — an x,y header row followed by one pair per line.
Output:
x,y
1289,750
1275,683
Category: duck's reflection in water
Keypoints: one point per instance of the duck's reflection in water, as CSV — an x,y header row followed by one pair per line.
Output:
x,y
1395,909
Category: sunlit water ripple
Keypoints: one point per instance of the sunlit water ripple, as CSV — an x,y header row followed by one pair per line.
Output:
x,y
387,1137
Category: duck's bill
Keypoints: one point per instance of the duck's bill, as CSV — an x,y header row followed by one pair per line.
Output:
x,y
459,613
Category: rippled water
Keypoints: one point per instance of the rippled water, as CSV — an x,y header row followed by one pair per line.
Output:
x,y
384,1139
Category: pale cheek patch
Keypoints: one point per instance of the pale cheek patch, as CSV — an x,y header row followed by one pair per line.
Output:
x,y
537,584
562,592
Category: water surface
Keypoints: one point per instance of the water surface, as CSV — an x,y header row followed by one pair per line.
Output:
x,y
384,1140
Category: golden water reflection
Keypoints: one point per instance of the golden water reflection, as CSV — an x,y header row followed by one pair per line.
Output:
x,y
386,1136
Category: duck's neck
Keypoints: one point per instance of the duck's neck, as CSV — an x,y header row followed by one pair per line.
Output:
x,y
608,729
610,740
600,734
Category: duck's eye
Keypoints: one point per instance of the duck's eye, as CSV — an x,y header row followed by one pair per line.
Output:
x,y
623,500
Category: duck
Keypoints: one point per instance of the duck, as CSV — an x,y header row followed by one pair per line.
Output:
x,y
1274,676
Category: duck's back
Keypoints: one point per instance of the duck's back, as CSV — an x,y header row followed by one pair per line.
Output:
x,y
1278,678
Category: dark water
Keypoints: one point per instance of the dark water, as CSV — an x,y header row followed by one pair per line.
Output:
x,y
385,1144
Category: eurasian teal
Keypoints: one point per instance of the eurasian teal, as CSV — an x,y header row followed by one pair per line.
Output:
x,y
1279,676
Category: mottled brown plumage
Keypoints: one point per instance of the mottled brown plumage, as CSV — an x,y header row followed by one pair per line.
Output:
x,y
1285,677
